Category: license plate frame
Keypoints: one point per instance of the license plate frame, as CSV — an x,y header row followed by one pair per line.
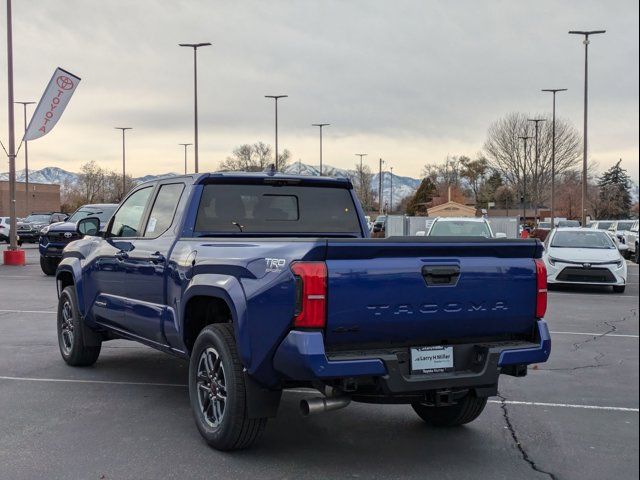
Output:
x,y
436,359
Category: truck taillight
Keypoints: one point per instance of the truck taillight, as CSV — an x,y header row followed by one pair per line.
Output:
x,y
541,288
311,294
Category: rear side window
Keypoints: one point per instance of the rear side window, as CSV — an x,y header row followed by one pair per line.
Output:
x,y
164,209
275,209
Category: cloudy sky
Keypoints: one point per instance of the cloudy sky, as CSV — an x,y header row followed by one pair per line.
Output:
x,y
408,81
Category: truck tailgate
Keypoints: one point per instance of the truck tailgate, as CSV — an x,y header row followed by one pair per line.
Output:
x,y
429,291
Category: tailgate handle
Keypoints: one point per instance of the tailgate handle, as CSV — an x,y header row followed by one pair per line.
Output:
x,y
441,274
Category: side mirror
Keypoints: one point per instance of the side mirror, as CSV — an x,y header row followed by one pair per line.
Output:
x,y
88,226
501,235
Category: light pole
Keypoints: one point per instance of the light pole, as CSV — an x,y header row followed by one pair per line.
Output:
x,y
524,179
553,151
124,178
195,47
13,244
363,193
276,97
380,206
26,157
320,125
535,169
361,155
185,145
391,195
586,35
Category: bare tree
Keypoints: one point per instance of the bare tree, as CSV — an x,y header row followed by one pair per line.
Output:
x,y
475,172
364,191
505,152
254,158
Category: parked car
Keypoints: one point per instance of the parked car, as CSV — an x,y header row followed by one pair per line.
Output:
x,y
568,223
631,241
462,227
5,228
619,227
29,228
601,224
234,271
54,237
379,226
541,231
584,256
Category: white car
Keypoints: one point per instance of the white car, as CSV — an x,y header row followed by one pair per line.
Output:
x,y
601,224
584,256
631,241
5,228
619,227
462,227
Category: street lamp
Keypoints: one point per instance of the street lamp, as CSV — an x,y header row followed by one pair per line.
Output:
x,y
361,155
124,178
524,179
586,35
380,206
535,168
26,157
391,195
553,151
185,145
276,97
320,125
195,47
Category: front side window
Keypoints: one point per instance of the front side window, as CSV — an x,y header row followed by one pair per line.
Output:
x,y
126,221
164,209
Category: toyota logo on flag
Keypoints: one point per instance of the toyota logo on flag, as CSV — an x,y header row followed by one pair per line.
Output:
x,y
64,82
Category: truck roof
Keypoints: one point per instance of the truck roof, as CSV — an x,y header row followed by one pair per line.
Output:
x,y
258,177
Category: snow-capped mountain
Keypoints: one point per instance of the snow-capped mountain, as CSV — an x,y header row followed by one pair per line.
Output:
x,y
402,186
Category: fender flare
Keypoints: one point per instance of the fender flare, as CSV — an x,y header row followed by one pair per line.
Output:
x,y
72,265
229,289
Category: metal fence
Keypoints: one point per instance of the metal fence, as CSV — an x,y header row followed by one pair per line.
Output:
x,y
400,225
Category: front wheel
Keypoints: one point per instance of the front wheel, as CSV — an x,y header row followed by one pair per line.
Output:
x,y
48,265
466,410
79,345
218,393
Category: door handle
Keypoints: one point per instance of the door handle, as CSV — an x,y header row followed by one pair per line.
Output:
x,y
121,255
157,257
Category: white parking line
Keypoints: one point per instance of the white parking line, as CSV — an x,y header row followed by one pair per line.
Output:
x,y
603,334
305,391
566,405
29,311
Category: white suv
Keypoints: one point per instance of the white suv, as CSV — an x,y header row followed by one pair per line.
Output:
x,y
4,229
631,240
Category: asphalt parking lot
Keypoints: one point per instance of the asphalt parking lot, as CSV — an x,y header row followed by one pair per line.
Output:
x,y
129,417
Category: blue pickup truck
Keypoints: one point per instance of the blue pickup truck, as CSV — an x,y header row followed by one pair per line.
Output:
x,y
267,281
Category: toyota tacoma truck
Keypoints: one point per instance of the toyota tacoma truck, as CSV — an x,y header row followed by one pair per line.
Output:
x,y
266,281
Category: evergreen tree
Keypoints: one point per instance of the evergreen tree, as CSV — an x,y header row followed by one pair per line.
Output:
x,y
417,205
614,196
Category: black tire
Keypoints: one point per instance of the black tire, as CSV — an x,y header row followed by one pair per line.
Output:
x,y
636,257
19,243
79,345
224,424
48,265
619,288
465,411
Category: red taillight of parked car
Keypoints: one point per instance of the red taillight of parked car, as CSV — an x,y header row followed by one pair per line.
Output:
x,y
541,288
311,294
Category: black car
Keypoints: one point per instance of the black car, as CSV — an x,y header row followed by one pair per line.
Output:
x,y
28,230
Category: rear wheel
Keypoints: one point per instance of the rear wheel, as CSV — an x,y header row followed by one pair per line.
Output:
x,y
218,393
79,345
48,265
619,288
636,257
466,410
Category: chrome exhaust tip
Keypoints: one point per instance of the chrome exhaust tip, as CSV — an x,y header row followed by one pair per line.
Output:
x,y
309,406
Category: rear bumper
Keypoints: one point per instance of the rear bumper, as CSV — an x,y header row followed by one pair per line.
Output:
x,y
301,356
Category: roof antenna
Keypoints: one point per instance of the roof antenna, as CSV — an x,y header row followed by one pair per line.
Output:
x,y
270,170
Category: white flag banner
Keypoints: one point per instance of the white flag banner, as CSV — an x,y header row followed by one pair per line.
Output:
x,y
52,104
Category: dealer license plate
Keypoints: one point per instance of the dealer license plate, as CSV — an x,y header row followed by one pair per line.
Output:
x,y
431,359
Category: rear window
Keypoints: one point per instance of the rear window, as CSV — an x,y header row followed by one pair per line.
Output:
x,y
275,209
460,228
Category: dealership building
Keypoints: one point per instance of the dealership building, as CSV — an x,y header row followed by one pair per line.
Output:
x,y
42,197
